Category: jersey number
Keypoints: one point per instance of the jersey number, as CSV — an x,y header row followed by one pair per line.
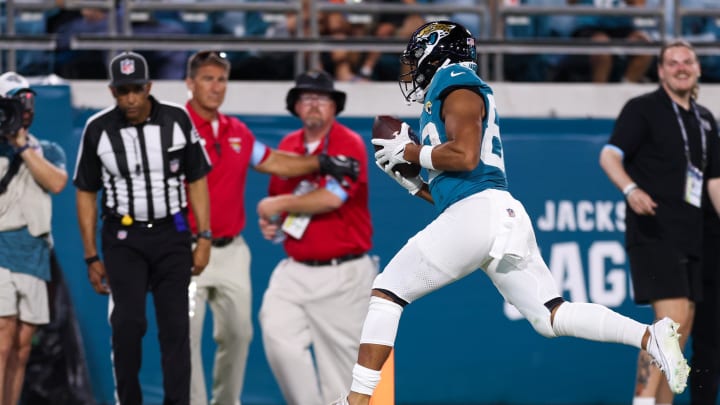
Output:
x,y
491,152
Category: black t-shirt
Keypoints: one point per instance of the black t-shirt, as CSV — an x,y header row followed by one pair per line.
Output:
x,y
648,133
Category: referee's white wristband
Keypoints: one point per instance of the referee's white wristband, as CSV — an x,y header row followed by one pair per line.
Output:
x,y
426,157
629,189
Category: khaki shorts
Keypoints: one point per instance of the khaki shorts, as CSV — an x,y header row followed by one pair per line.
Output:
x,y
24,296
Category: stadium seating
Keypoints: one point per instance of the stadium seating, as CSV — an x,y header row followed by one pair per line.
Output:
x,y
518,40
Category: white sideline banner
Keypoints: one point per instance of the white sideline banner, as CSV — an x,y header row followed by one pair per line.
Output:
x,y
524,100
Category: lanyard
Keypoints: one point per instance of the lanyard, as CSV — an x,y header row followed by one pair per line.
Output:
x,y
703,161
325,141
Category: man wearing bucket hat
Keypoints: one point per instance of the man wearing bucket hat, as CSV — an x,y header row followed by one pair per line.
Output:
x,y
313,309
224,286
30,170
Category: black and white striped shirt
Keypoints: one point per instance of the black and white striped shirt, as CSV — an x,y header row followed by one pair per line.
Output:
x,y
141,168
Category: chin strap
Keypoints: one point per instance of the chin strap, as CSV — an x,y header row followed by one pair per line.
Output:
x,y
417,96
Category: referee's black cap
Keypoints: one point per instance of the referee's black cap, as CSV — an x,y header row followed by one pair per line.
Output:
x,y
128,68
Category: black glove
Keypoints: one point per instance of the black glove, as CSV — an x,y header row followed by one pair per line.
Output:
x,y
339,167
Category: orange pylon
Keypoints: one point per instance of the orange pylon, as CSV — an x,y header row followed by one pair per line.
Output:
x,y
385,391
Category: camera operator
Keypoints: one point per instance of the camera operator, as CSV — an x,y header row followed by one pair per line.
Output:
x,y
29,171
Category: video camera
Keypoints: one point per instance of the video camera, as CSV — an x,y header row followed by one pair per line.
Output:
x,y
11,116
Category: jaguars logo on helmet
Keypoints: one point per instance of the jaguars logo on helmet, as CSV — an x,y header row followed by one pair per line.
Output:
x,y
433,45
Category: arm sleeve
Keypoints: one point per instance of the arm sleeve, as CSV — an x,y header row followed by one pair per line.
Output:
x,y
259,153
354,148
334,187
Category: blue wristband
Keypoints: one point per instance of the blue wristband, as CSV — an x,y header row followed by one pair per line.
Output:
x,y
22,148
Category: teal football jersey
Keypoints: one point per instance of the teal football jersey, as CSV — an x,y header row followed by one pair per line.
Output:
x,y
449,187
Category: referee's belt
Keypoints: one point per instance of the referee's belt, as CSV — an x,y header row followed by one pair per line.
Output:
x,y
219,242
332,262
117,219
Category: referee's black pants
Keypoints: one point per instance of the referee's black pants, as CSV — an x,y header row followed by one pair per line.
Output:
x,y
159,260
705,362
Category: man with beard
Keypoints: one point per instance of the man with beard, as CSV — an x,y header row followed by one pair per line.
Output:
x,y
662,151
313,309
225,284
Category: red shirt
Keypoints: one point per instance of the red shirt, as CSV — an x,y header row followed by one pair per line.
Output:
x,y
226,180
346,230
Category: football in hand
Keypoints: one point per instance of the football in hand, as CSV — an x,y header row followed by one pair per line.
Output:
x,y
385,127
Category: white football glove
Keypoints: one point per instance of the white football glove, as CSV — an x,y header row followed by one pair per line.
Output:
x,y
413,184
392,150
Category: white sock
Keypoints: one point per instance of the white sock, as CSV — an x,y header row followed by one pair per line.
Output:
x,y
643,401
596,322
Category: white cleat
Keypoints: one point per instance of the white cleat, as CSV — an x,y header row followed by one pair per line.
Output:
x,y
664,347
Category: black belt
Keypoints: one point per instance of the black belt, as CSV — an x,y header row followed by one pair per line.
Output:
x,y
117,219
332,262
219,242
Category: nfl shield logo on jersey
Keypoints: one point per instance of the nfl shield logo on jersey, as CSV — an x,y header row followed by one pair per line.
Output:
x,y
127,66
174,165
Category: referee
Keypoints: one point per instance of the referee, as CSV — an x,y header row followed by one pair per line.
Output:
x,y
141,153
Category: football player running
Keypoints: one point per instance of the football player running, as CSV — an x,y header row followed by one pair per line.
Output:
x,y
479,224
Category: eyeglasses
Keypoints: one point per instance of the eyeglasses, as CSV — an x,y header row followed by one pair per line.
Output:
x,y
310,98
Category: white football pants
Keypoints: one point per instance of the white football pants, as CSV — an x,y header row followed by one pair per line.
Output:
x,y
491,231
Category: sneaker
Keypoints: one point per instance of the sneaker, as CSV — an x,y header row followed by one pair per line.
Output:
x,y
664,347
